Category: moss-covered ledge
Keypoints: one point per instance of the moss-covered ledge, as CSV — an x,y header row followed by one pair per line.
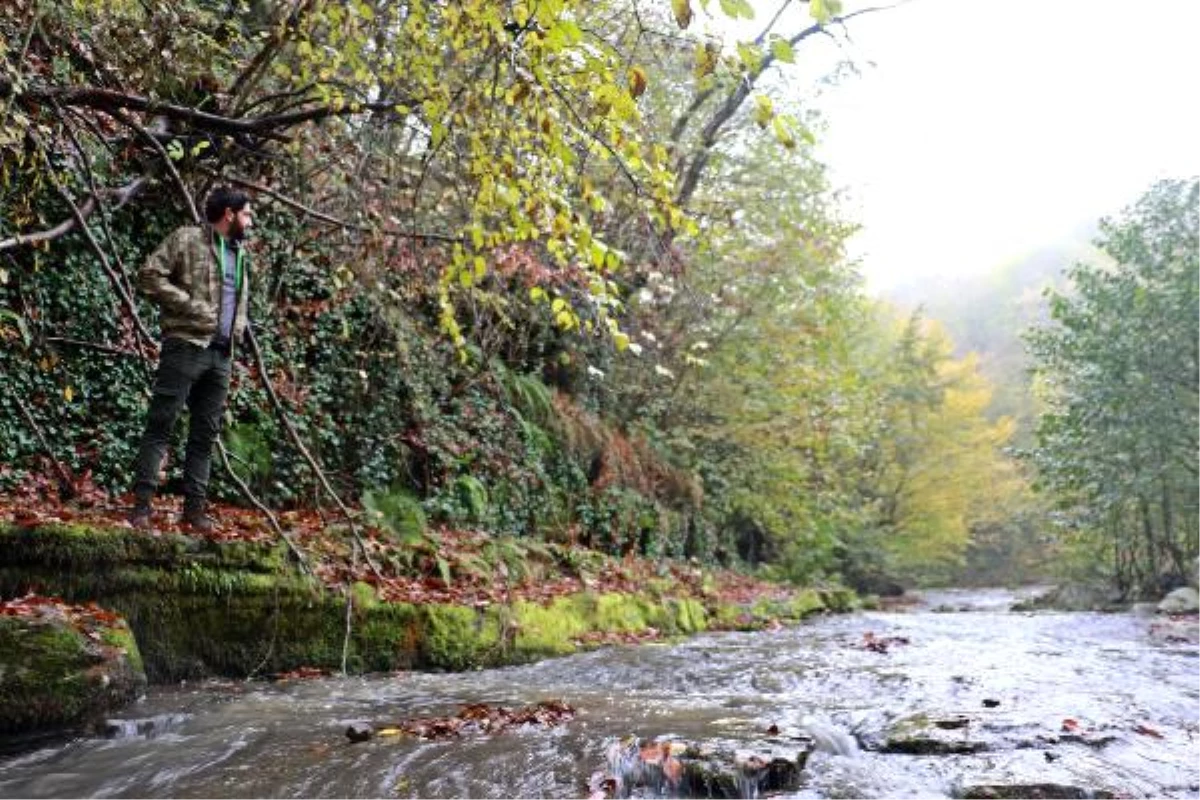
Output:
x,y
199,607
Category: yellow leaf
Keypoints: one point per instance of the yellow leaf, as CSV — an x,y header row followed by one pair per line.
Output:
x,y
706,60
764,110
69,393
683,12
637,81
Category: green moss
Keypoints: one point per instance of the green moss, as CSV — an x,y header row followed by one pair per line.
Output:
x,y
87,547
804,603
549,630
619,613
387,637
120,637
689,615
200,608
365,596
459,637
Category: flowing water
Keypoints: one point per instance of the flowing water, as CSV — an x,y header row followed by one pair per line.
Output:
x,y
1107,703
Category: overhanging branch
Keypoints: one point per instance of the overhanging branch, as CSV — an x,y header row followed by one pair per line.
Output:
x,y
267,126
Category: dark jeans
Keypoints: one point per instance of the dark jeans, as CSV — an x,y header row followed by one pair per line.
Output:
x,y
196,376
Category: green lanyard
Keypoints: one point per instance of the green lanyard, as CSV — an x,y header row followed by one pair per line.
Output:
x,y
237,264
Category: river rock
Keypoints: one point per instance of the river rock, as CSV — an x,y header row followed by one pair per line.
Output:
x,y
924,735
689,769
1183,600
55,675
1072,597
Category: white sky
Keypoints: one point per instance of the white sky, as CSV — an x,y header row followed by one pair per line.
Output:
x,y
986,127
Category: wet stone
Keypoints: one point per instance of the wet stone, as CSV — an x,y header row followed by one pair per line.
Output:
x,y
923,735
641,768
359,732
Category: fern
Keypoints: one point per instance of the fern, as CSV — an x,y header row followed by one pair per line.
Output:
x,y
473,494
397,512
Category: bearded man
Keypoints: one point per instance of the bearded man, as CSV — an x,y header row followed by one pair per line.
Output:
x,y
199,278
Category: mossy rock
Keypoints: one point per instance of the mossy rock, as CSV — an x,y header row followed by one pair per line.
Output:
x,y
53,676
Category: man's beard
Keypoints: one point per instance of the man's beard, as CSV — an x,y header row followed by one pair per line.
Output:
x,y
237,231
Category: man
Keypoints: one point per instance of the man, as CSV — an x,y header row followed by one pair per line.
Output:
x,y
199,278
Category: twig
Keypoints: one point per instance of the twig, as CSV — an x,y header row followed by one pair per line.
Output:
x,y
81,223
245,82
124,119
733,101
121,271
294,435
66,485
244,488
323,217
349,611
103,348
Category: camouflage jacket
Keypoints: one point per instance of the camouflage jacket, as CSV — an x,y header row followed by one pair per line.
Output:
x,y
184,277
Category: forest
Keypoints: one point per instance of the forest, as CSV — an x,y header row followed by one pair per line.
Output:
x,y
565,273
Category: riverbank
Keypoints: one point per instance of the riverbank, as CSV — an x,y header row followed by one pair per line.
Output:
x,y
243,603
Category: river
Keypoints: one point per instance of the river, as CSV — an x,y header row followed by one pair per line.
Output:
x,y
1106,704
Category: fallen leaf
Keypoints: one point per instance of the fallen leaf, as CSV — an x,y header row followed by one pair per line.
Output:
x,y
1146,730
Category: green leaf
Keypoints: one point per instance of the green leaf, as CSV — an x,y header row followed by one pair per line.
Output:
x,y
782,50
750,56
736,9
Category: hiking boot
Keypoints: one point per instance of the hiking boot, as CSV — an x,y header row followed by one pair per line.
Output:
x,y
194,517
139,517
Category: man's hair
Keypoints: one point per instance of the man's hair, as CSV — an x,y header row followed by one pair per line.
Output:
x,y
222,198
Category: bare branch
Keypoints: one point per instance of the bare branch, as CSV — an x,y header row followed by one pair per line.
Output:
x,y
123,194
294,435
244,488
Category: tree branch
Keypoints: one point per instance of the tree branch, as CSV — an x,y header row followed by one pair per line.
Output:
x,y
123,194
733,101
268,126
